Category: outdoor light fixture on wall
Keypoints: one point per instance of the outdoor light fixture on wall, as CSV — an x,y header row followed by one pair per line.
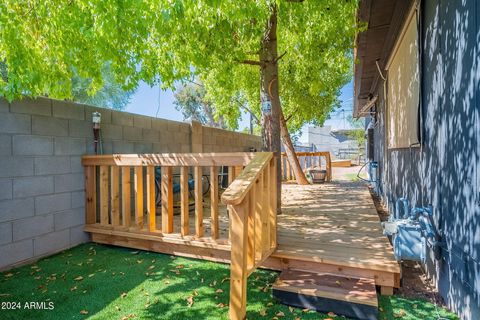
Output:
x,y
96,120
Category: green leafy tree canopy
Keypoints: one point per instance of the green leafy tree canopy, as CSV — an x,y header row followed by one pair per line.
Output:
x,y
44,43
191,101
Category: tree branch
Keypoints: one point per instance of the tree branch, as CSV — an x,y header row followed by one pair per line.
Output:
x,y
252,62
280,57
290,115
250,111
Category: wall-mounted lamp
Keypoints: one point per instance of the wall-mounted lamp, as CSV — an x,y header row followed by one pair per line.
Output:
x,y
96,120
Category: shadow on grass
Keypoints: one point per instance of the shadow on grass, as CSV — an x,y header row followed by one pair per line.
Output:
x,y
398,307
117,283
103,282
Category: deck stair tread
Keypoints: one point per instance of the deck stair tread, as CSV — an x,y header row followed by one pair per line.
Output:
x,y
352,297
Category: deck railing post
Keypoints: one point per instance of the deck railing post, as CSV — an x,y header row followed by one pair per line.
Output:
x,y
238,268
273,203
126,194
104,195
184,202
138,178
214,223
199,231
151,206
90,195
167,199
115,195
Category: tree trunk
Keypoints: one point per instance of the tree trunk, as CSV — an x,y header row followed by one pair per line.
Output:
x,y
290,151
269,96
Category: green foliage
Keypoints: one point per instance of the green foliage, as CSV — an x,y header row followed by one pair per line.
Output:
x,y
44,43
191,101
110,95
358,133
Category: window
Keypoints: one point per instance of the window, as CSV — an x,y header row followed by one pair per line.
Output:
x,y
403,88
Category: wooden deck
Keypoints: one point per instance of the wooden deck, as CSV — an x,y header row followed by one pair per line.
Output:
x,y
329,229
332,228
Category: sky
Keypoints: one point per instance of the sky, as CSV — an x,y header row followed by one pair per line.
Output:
x,y
151,101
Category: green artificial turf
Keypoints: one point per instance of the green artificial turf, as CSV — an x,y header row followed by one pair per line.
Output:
x,y
103,282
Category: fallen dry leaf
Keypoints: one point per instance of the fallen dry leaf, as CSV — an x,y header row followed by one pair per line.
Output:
x,y
83,312
331,314
123,295
190,301
8,275
263,312
219,291
79,278
225,279
280,314
221,305
73,288
400,314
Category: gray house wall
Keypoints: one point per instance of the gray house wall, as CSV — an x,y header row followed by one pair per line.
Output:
x,y
444,170
41,176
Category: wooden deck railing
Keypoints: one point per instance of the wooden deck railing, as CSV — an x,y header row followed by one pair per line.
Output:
x,y
251,200
121,201
307,160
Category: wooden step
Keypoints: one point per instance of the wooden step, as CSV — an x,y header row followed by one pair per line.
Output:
x,y
352,297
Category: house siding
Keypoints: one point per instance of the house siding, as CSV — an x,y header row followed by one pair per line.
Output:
x,y
444,170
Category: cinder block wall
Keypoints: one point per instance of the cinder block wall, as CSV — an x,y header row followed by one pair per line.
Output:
x,y
218,140
41,177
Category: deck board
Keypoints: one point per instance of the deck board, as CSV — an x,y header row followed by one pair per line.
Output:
x,y
335,223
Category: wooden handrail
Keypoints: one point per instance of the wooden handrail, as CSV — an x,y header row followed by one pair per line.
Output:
x,y
287,172
239,188
251,202
121,199
170,159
